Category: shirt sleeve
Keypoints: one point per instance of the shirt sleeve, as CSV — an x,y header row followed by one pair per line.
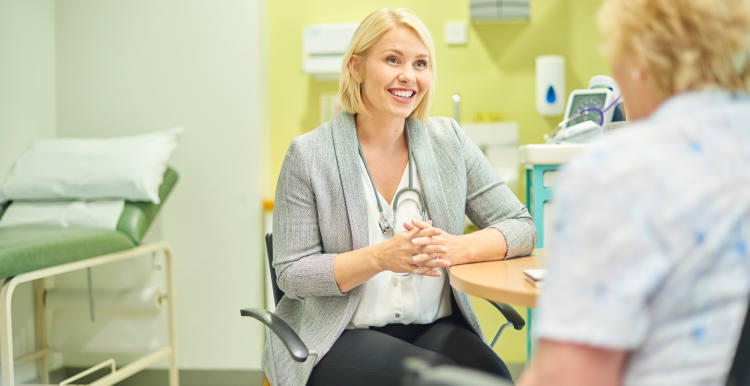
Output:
x,y
491,204
604,261
302,269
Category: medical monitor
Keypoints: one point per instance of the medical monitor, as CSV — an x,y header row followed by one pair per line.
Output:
x,y
580,99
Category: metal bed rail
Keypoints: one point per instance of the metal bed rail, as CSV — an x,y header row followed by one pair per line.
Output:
x,y
7,360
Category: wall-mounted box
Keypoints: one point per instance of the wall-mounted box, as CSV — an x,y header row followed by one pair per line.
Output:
x,y
500,10
455,33
323,48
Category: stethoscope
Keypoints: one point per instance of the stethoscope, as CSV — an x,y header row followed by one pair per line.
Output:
x,y
388,224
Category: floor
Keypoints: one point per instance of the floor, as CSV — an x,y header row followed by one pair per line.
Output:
x,y
194,377
160,377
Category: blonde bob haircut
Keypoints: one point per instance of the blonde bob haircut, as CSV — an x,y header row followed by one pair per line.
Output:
x,y
365,37
683,44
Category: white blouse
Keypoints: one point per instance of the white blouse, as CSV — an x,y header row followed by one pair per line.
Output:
x,y
389,298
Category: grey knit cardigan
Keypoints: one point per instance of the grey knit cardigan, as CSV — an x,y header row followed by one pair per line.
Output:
x,y
320,212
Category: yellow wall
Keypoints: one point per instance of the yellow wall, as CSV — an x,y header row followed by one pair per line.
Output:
x,y
493,72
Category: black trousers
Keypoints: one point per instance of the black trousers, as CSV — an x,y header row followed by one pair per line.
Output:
x,y
375,357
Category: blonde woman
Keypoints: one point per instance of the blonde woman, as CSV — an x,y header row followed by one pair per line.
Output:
x,y
649,278
369,219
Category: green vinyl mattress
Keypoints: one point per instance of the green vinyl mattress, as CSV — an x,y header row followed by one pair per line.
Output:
x,y
29,248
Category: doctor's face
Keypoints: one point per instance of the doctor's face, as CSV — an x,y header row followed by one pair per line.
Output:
x,y
396,74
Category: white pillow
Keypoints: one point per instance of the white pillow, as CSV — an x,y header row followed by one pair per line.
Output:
x,y
130,168
89,214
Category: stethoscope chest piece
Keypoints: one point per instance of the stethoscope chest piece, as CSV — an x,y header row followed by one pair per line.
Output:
x,y
386,226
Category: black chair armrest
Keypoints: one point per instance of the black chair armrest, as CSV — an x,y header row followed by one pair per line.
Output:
x,y
511,315
291,340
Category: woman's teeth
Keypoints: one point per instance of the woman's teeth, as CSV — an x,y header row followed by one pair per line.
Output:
x,y
402,94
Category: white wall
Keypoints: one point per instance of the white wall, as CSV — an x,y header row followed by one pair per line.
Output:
x,y
27,76
134,66
27,112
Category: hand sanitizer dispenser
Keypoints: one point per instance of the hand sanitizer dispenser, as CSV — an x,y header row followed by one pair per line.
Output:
x,y
550,85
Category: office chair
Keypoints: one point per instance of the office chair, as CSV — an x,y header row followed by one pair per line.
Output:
x,y
297,348
420,374
739,374
293,343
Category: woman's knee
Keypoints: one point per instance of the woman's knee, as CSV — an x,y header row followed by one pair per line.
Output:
x,y
436,359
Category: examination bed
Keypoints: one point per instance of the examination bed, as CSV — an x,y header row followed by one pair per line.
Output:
x,y
32,253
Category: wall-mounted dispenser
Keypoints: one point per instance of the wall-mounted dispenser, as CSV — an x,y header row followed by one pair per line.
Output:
x,y
323,48
499,10
550,85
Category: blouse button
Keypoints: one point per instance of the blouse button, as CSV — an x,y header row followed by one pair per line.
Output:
x,y
395,283
398,316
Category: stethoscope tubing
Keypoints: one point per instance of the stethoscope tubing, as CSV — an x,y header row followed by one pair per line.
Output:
x,y
410,188
598,110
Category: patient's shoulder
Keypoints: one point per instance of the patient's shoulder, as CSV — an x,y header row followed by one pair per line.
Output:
x,y
656,161
631,161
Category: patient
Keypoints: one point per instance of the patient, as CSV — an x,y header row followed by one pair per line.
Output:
x,y
650,264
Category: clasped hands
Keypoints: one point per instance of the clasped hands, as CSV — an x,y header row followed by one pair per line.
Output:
x,y
419,250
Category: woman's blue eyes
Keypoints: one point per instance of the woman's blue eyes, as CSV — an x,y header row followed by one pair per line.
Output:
x,y
394,60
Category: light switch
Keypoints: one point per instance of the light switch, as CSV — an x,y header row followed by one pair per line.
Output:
x,y
456,33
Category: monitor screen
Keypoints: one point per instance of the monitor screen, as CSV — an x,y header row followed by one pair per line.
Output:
x,y
586,100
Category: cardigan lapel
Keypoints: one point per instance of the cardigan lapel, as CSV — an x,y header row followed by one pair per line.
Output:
x,y
344,132
429,175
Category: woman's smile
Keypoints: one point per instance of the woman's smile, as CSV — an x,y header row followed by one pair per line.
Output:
x,y
402,95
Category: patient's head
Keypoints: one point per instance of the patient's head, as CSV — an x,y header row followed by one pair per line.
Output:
x,y
659,48
389,67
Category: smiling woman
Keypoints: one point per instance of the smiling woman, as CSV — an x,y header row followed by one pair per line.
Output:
x,y
369,218
380,32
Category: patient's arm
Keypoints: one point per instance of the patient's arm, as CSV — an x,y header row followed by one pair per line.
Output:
x,y
562,364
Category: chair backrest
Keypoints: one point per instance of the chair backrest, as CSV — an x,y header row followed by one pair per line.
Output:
x,y
739,374
277,293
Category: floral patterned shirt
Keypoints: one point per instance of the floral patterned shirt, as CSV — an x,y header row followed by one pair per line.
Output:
x,y
651,246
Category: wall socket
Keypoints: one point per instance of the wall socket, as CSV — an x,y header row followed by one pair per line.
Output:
x,y
456,33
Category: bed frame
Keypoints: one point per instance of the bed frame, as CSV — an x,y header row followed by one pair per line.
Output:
x,y
43,349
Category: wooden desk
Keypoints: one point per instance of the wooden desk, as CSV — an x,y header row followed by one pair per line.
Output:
x,y
500,281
